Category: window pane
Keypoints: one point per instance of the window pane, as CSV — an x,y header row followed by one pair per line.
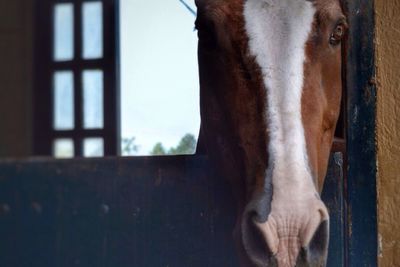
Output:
x,y
63,100
63,32
159,77
93,99
93,147
63,148
92,15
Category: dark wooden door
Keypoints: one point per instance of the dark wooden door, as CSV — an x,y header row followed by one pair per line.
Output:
x,y
120,212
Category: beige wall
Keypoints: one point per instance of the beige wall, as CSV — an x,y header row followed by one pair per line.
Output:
x,y
16,42
388,129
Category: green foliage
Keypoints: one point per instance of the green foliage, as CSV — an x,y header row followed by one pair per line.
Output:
x,y
187,145
129,147
158,150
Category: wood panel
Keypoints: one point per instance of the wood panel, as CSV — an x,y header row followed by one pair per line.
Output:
x,y
120,212
361,195
115,212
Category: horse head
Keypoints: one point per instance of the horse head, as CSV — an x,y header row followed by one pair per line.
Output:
x,y
270,79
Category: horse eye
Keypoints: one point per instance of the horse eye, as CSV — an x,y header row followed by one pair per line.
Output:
x,y
337,35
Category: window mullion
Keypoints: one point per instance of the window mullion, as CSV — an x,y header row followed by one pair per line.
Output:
x,y
111,89
78,76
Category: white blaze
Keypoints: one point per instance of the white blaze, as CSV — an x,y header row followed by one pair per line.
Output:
x,y
278,31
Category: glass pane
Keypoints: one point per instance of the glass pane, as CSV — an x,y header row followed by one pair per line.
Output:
x,y
92,16
63,32
93,99
159,77
63,100
63,148
93,147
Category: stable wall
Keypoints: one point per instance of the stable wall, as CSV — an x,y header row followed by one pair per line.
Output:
x,y
388,129
16,79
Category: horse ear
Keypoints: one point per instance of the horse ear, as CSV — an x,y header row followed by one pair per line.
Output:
x,y
201,3
212,23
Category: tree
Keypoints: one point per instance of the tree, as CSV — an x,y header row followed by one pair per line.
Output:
x,y
128,146
187,145
158,150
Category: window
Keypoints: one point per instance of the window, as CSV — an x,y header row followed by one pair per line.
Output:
x,y
76,91
99,93
159,77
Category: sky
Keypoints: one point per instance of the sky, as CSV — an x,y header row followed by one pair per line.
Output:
x,y
159,74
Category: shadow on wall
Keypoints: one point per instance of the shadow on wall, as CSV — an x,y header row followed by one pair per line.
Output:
x,y
16,77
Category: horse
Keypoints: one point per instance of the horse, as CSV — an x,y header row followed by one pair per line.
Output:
x,y
270,94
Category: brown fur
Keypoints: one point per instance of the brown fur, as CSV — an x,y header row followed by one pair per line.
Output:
x,y
233,97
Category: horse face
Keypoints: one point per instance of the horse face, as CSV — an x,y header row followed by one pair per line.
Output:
x,y
270,74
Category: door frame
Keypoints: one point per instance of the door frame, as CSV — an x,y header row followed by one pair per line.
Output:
x,y
361,192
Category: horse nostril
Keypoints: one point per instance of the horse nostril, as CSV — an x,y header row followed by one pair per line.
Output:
x,y
255,245
315,254
293,237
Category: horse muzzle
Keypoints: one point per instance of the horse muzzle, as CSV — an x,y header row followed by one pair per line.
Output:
x,y
288,237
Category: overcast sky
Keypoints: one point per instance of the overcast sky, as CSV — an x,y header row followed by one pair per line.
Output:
x,y
159,75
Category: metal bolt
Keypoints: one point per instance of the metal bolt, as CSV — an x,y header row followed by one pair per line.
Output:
x,y
4,208
338,157
37,208
136,212
105,209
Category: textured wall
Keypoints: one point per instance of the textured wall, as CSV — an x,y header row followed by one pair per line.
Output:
x,y
388,129
16,45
